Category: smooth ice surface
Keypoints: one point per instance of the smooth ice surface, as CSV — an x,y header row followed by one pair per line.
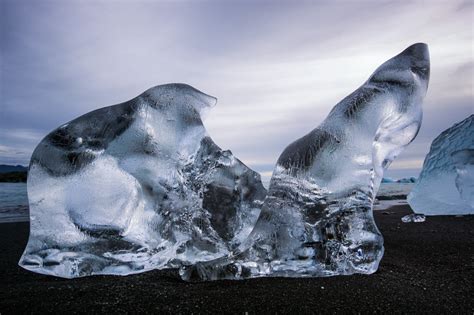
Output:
x,y
446,182
137,186
317,217
414,217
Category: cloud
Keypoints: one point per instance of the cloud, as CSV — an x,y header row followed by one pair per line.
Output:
x,y
16,145
277,68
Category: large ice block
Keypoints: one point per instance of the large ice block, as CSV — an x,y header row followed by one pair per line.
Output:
x,y
446,182
317,217
137,186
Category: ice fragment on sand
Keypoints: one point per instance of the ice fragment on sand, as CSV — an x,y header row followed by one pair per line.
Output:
x,y
414,217
317,218
137,186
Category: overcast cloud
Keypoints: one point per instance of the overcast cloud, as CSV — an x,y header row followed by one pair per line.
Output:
x,y
276,67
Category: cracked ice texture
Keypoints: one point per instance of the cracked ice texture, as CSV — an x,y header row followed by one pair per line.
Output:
x,y
137,186
446,182
317,217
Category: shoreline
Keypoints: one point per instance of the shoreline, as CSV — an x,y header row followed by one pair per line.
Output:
x,y
380,205
426,267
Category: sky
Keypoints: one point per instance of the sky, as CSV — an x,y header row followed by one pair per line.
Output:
x,y
276,67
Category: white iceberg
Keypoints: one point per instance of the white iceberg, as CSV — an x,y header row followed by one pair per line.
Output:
x,y
446,182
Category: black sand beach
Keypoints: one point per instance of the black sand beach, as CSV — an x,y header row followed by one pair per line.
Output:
x,y
427,268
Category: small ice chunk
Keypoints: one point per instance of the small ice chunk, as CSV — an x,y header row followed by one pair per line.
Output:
x,y
414,217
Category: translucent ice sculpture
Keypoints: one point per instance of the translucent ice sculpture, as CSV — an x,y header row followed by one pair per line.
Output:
x,y
446,183
137,186
317,217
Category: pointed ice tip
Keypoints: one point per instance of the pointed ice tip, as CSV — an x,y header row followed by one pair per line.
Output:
x,y
206,99
418,51
211,100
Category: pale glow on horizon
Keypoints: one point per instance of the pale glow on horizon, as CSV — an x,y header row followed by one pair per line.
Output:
x,y
407,164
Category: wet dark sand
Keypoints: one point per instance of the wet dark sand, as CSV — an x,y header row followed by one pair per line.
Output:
x,y
427,268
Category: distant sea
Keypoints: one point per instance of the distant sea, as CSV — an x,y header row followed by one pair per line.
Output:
x,y
13,202
14,199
